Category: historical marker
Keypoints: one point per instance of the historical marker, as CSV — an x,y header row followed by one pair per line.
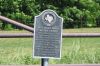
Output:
x,y
47,35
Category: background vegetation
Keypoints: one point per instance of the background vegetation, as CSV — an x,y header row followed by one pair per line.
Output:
x,y
76,13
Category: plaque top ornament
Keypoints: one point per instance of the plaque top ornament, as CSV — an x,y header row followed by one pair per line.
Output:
x,y
48,17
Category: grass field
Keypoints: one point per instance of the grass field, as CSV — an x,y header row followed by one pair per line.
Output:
x,y
74,51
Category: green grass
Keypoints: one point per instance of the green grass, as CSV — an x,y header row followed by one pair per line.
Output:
x,y
82,30
81,50
74,50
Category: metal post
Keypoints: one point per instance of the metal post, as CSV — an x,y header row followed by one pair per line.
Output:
x,y
44,62
16,23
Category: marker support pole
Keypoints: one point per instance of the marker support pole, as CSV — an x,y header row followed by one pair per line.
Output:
x,y
44,62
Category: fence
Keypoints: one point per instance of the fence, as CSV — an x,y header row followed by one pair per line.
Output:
x,y
22,35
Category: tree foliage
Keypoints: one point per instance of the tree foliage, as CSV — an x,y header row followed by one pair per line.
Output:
x,y
76,13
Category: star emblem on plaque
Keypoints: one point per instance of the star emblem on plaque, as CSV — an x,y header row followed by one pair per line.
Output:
x,y
48,19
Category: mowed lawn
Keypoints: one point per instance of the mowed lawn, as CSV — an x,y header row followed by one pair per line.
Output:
x,y
74,50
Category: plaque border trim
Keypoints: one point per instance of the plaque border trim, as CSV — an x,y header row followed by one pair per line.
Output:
x,y
34,35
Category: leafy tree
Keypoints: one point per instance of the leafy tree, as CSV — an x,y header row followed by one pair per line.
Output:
x,y
76,13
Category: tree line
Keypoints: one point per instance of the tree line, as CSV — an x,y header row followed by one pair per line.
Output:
x,y
76,13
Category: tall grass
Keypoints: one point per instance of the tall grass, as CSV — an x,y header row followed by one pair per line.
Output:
x,y
81,52
74,51
77,55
